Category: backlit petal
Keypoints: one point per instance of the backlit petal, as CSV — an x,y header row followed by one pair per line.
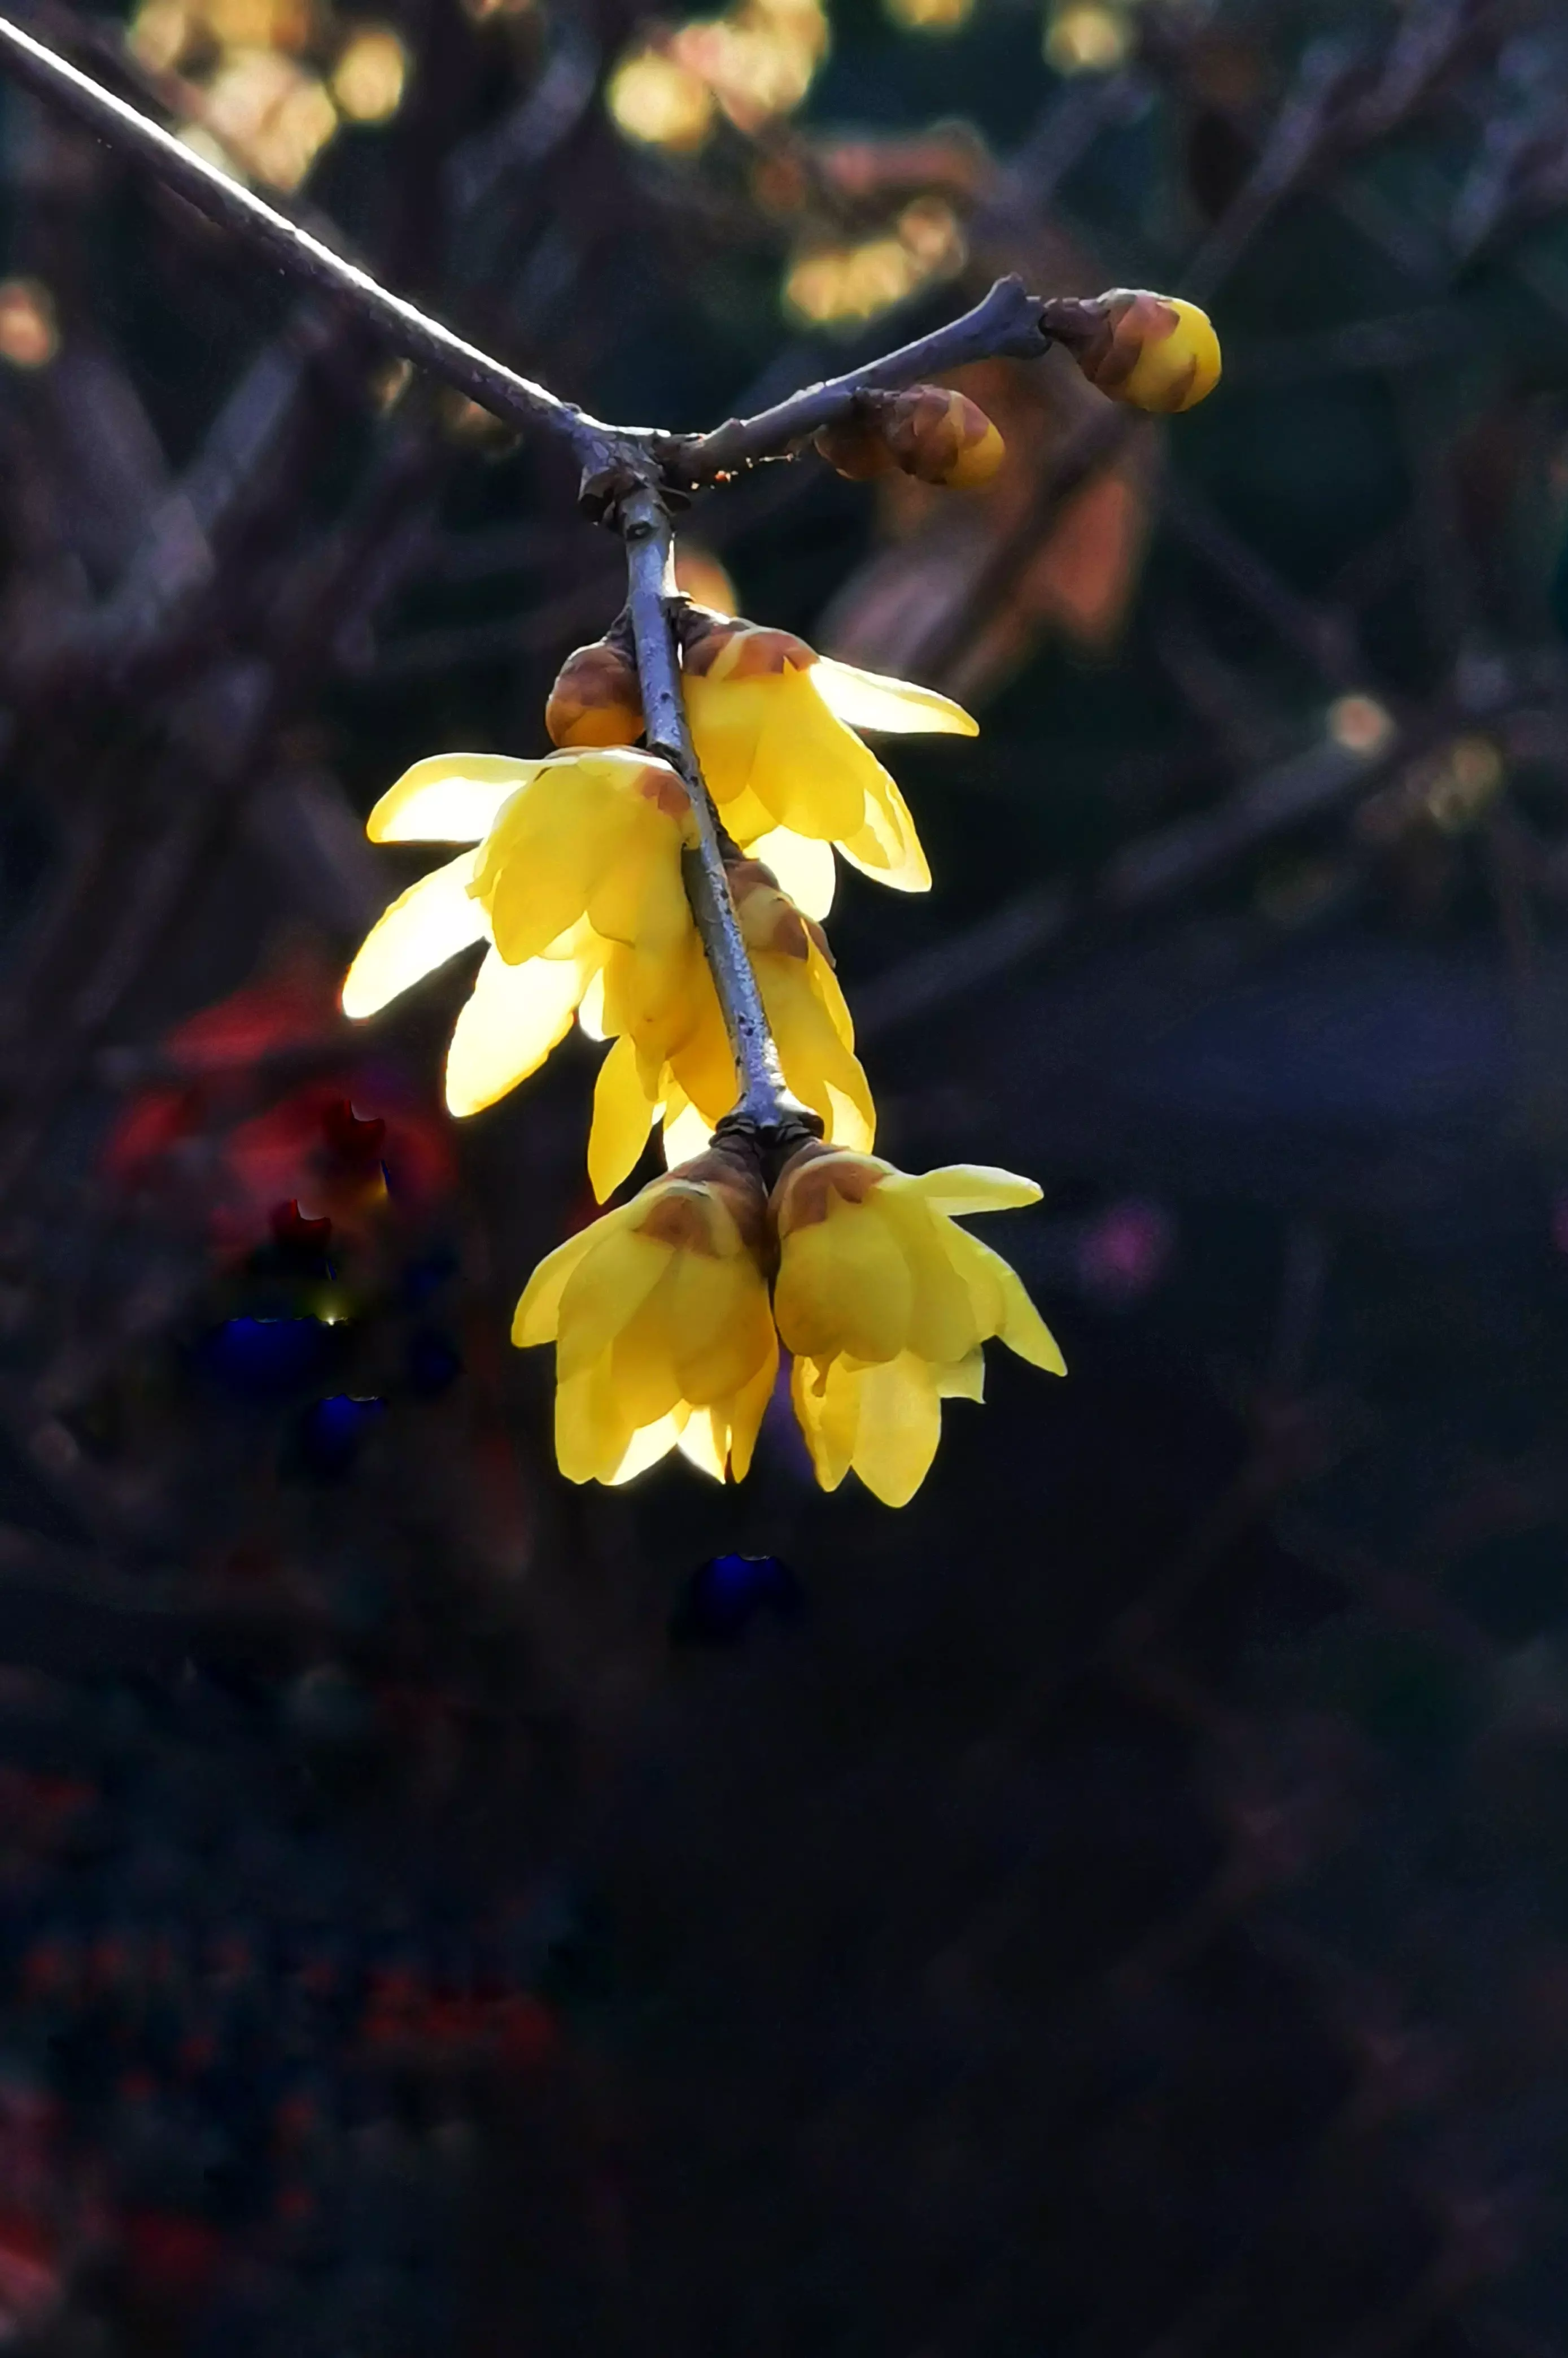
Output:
x,y
538,1310
900,1426
960,1187
868,699
422,929
450,798
508,1028
804,866
622,1118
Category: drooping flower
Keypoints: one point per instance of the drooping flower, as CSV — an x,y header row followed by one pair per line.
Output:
x,y
886,1303
575,884
577,865
693,1083
774,724
659,1315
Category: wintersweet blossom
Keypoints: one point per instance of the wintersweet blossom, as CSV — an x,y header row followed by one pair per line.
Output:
x,y
886,1303
692,1083
576,879
659,1315
775,727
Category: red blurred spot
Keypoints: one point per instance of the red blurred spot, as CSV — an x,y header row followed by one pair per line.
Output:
x,y
361,1143
529,2034
171,2256
289,1009
290,1227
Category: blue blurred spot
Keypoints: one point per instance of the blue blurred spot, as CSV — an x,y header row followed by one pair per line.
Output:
x,y
262,1356
332,1432
421,1279
724,1596
433,1363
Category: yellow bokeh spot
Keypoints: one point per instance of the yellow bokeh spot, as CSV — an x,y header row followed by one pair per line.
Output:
x,y
1466,784
828,285
483,11
663,104
753,64
29,338
257,24
271,115
368,78
1086,39
930,15
1359,723
158,34
700,575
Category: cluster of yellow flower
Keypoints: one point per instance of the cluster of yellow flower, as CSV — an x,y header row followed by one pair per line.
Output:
x,y
668,1312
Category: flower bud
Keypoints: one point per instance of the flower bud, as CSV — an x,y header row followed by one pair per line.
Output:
x,y
929,432
718,647
856,448
941,437
595,699
1154,352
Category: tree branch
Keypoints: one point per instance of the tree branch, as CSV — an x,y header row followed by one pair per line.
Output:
x,y
765,1107
406,330
1007,321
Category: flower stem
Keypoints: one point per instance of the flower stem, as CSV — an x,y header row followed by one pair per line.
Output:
x,y
765,1106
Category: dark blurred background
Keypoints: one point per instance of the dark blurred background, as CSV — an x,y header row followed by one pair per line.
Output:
x,y
1117,1908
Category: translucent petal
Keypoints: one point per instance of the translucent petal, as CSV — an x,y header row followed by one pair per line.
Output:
x,y
886,846
1022,1329
844,1285
700,1443
590,1010
422,929
647,1446
538,1310
622,1118
960,1187
804,866
607,1290
826,1409
868,699
900,1427
450,798
687,1132
508,1028
593,1432
747,1411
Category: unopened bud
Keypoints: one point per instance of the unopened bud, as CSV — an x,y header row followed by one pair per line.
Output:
x,y
856,448
595,699
943,437
715,646
1155,351
937,436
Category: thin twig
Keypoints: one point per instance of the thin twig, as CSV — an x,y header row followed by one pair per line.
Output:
x,y
765,1106
407,330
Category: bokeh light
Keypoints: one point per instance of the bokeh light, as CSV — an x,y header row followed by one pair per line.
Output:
x,y
1086,39
30,335
368,78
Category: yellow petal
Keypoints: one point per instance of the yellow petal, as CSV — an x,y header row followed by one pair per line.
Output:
x,y
886,846
960,1187
900,1426
868,699
772,735
687,1132
451,798
622,1118
593,1432
844,1286
701,1443
539,1308
606,1291
747,1408
826,1409
422,929
508,1028
964,1380
803,864
647,1447
1023,1328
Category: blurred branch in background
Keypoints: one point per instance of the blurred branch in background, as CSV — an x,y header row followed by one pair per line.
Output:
x,y
1128,1920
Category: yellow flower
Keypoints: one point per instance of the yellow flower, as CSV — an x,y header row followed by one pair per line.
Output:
x,y
659,1315
774,724
1156,351
576,873
692,1080
885,1304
